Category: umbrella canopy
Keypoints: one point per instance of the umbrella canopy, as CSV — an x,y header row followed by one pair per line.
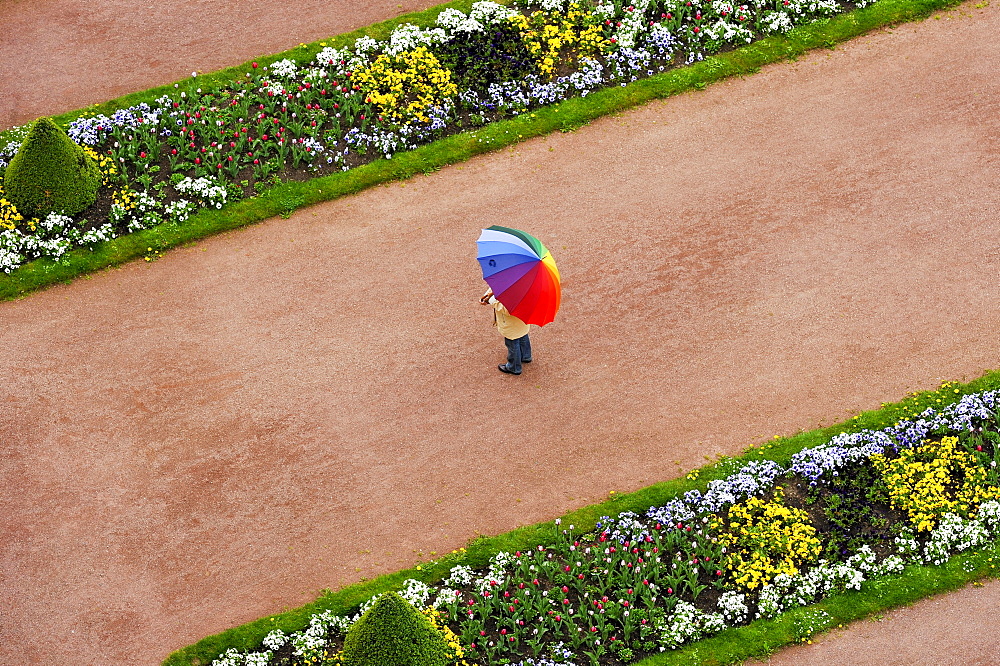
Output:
x,y
521,272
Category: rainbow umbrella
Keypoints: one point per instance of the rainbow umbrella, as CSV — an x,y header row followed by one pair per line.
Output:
x,y
521,273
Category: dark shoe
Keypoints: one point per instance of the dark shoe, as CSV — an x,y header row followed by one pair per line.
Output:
x,y
525,360
503,368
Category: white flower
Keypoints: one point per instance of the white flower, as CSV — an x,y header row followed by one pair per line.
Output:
x,y
285,69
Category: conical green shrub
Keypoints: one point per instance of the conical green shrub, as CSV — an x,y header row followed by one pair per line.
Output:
x,y
394,633
50,173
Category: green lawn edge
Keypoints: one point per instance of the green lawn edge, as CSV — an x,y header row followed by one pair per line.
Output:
x,y
565,116
731,646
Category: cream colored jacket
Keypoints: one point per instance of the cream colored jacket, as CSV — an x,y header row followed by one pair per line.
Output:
x,y
509,326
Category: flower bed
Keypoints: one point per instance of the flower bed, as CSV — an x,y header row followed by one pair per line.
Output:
x,y
765,539
346,107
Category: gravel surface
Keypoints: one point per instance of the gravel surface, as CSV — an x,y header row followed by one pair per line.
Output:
x,y
199,441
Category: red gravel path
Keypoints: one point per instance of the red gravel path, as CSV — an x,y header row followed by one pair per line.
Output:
x,y
196,442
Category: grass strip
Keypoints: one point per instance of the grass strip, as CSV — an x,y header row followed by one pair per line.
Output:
x,y
731,646
565,116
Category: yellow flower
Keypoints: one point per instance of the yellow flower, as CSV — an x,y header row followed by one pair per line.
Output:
x,y
933,479
404,86
766,538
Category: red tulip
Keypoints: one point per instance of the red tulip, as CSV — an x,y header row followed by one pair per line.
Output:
x,y
255,65
197,160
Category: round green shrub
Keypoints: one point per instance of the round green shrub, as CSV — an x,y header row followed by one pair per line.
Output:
x,y
50,173
394,633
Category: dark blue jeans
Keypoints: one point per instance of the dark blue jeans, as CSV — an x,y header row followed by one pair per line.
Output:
x,y
518,351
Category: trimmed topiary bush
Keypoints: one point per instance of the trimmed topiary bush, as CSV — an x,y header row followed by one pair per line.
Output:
x,y
50,173
394,633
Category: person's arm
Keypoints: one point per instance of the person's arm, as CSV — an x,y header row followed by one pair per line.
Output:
x,y
485,298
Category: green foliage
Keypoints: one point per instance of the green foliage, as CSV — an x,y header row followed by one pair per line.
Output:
x,y
984,447
855,506
50,173
394,633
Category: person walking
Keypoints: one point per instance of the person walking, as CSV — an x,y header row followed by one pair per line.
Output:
x,y
514,332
